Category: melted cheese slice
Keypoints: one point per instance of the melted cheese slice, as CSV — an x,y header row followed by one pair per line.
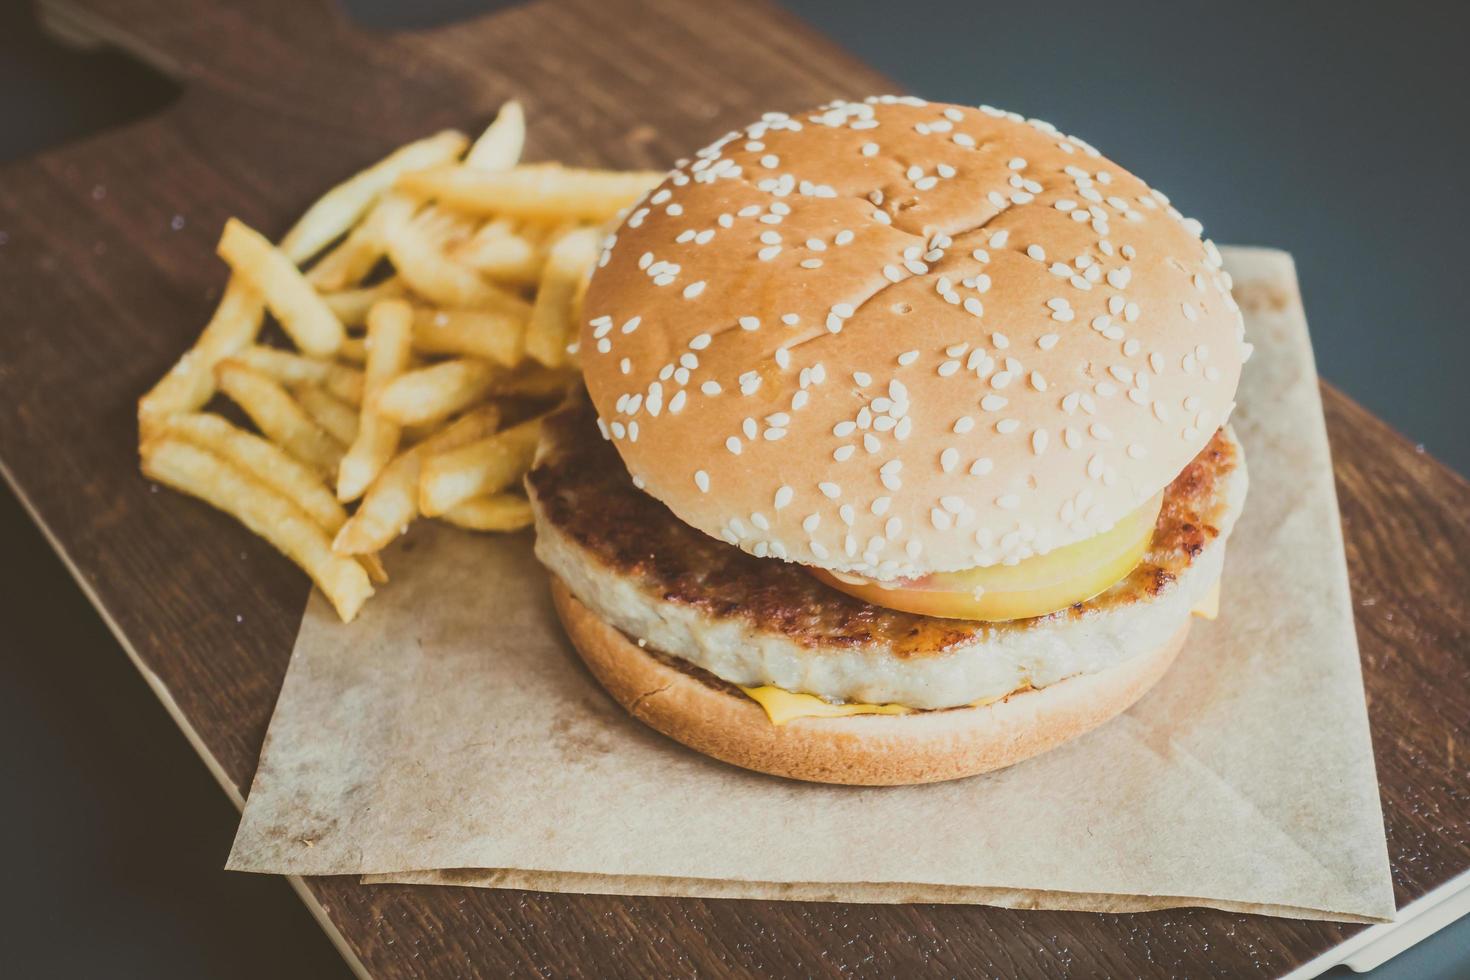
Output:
x,y
782,705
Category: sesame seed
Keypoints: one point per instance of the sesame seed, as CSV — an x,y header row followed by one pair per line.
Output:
x,y
710,388
829,490
693,289
1007,426
1036,252
811,263
1038,441
981,467
810,522
1047,341
790,319
908,357
733,444
949,459
768,253
843,453
993,402
701,480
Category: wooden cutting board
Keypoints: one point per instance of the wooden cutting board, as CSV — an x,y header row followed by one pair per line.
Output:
x,y
107,272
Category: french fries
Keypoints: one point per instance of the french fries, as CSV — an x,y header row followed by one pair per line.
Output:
x,y
331,413
417,252
495,512
554,316
302,313
278,415
435,392
351,305
491,335
270,515
341,381
499,252
545,192
392,502
390,330
190,383
499,146
485,466
349,263
340,208
467,270
262,459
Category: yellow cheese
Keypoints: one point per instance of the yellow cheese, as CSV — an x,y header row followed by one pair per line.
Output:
x,y
782,705
1209,606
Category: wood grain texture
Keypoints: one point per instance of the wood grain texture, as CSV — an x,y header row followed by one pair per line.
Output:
x,y
107,272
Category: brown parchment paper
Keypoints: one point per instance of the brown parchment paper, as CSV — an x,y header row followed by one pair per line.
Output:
x,y
450,736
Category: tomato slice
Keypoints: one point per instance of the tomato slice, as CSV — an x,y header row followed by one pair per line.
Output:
x,y
1033,587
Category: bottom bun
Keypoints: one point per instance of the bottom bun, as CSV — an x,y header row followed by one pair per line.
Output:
x,y
710,716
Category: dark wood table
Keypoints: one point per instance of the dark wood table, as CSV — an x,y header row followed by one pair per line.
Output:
x,y
107,272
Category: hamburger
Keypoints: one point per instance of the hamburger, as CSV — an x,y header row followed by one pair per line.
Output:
x,y
904,453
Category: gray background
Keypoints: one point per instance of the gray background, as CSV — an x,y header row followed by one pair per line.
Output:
x,y
1335,130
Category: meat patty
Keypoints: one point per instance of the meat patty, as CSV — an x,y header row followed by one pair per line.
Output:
x,y
753,621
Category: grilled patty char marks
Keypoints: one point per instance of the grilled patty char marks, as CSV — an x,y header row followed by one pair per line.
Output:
x,y
583,490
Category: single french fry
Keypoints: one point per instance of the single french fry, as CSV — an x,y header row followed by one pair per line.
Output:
x,y
542,192
435,392
568,264
308,320
495,512
482,467
331,413
417,252
487,334
267,513
279,416
190,382
263,460
373,564
353,258
499,146
503,254
351,305
392,502
290,369
341,207
390,331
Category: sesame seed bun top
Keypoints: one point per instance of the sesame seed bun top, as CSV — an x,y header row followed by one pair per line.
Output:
x,y
896,337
